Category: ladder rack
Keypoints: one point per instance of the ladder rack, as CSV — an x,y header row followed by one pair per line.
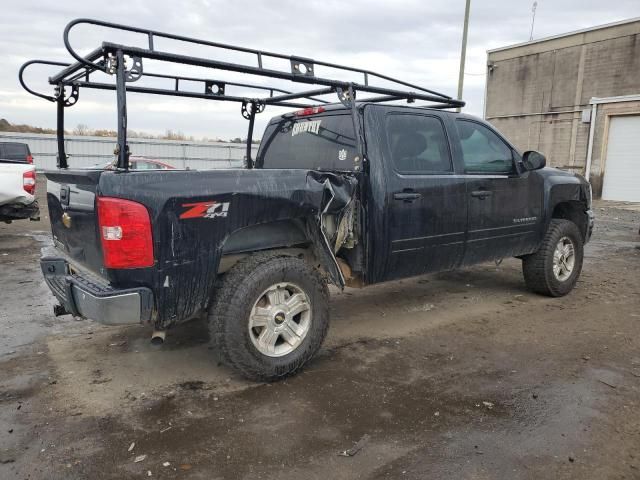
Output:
x,y
126,63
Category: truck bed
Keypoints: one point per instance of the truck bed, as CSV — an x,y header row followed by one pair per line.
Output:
x,y
194,216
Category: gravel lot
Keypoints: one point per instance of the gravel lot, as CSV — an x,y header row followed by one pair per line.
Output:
x,y
460,375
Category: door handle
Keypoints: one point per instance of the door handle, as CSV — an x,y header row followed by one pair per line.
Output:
x,y
406,196
481,194
65,193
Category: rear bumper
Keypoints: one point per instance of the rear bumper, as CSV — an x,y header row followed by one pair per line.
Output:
x,y
18,211
85,296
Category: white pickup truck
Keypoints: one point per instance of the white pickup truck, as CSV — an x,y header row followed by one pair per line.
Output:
x,y
17,183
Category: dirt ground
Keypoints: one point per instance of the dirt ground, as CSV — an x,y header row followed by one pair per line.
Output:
x,y
460,375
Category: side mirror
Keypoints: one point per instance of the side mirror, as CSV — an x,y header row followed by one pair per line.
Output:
x,y
533,160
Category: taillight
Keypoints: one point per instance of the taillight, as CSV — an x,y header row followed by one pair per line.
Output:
x,y
29,182
125,232
29,159
309,111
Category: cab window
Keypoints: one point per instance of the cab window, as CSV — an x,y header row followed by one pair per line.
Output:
x,y
483,151
418,144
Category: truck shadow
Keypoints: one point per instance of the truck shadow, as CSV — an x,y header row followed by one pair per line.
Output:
x,y
118,365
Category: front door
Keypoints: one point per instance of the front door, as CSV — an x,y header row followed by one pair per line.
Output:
x,y
504,205
426,202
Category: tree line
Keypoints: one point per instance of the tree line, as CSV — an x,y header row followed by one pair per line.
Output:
x,y
84,130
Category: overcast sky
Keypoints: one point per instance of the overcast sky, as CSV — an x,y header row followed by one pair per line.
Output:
x,y
415,40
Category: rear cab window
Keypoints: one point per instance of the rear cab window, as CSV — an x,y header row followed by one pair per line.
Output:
x,y
315,142
14,152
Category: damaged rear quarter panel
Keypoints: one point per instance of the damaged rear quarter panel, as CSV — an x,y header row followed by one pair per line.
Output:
x,y
187,250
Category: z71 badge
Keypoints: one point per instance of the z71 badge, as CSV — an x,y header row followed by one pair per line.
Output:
x,y
205,210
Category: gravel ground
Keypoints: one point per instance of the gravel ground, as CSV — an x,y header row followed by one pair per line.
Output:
x,y
459,375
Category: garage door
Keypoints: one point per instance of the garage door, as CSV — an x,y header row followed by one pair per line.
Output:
x,y
622,166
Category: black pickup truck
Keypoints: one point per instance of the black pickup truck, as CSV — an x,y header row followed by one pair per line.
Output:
x,y
350,193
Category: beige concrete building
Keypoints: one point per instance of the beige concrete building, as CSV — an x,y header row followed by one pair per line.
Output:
x,y
576,98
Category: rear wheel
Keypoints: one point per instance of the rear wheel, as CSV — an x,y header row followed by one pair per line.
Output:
x,y
554,269
270,316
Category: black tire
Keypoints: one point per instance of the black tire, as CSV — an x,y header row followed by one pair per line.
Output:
x,y
538,267
234,298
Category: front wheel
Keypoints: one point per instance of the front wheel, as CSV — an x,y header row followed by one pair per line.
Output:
x,y
270,316
554,269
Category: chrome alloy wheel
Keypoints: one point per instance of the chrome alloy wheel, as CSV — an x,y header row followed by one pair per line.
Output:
x,y
280,319
564,259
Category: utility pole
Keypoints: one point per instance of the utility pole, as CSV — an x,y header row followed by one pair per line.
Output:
x,y
463,54
533,19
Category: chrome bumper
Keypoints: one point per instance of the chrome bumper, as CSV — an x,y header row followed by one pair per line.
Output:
x,y
89,297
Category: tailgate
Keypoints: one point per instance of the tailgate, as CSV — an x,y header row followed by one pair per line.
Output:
x,y
71,197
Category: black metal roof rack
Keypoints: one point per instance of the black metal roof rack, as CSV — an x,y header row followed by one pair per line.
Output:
x,y
126,63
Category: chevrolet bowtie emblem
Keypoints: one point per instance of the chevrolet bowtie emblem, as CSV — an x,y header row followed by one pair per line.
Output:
x,y
66,220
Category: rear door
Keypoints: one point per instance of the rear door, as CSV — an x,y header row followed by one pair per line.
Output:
x,y
504,204
426,205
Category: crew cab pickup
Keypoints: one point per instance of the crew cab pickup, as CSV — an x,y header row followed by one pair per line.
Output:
x,y
17,183
351,193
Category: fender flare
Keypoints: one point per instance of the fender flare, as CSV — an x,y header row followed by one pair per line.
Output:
x,y
561,192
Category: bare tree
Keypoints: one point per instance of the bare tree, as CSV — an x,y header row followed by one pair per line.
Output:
x,y
171,135
81,129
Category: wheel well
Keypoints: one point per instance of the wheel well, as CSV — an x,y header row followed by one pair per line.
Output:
x,y
228,261
290,237
574,212
265,236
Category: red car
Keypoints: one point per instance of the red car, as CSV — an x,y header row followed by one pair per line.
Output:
x,y
141,163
